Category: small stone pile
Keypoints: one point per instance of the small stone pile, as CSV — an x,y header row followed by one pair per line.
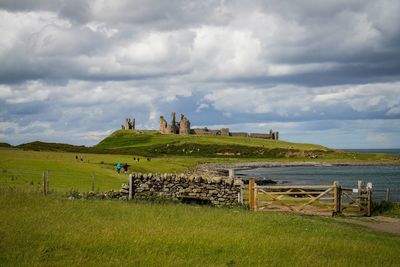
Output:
x,y
216,190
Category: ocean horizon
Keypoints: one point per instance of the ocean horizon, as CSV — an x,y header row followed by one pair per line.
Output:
x,y
373,150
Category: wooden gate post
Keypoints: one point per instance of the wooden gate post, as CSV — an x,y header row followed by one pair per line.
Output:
x,y
361,193
252,197
369,199
369,204
337,198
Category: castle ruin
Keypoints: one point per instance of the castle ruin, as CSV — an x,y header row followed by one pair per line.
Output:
x,y
129,124
183,127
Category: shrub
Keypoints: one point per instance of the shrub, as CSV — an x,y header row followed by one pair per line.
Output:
x,y
382,206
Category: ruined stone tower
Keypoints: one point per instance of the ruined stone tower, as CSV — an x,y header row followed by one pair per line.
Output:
x,y
163,125
129,124
184,125
172,128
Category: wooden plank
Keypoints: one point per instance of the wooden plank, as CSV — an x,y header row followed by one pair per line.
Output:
x,y
294,187
315,199
290,193
302,190
347,189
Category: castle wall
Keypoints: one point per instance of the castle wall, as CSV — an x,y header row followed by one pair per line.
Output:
x,y
225,131
261,135
183,127
239,134
201,131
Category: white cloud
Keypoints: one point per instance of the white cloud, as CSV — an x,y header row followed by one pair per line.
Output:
x,y
33,92
289,100
379,138
85,65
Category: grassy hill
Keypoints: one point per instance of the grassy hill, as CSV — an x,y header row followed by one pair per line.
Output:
x,y
153,143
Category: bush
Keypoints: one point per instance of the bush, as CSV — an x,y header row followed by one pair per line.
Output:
x,y
382,206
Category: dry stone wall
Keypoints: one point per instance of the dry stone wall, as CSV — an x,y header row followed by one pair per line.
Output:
x,y
217,190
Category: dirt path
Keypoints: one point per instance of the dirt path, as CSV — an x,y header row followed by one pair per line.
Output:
x,y
378,223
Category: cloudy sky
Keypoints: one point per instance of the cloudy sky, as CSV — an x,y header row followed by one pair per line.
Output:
x,y
323,72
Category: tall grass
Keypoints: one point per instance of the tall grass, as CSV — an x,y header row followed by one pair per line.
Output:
x,y
53,231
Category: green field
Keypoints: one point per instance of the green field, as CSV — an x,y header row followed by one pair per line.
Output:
x,y
24,168
54,231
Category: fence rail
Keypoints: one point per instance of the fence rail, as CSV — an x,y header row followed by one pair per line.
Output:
x,y
329,199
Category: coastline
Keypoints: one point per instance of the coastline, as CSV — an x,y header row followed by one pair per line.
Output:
x,y
222,169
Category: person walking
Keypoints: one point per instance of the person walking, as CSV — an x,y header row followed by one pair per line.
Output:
x,y
118,167
125,168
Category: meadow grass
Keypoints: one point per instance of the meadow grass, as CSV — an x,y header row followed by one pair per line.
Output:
x,y
25,168
54,231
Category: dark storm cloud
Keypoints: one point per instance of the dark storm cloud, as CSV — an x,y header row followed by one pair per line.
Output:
x,y
75,69
357,42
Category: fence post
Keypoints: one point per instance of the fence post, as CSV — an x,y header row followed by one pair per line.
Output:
x,y
130,187
44,184
251,194
255,196
387,194
231,173
337,197
361,192
369,199
47,182
92,182
369,204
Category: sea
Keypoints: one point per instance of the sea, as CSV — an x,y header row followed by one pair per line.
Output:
x,y
381,177
375,150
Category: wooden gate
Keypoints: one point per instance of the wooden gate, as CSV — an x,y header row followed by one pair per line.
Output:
x,y
357,201
314,199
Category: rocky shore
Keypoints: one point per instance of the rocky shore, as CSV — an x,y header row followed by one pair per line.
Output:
x,y
222,169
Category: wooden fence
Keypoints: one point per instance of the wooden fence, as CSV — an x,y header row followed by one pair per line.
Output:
x,y
314,199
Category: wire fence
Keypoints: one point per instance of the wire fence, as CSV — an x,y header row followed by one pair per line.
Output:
x,y
34,178
51,180
386,194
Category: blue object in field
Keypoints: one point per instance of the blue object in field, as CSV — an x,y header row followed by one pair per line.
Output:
x,y
118,166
